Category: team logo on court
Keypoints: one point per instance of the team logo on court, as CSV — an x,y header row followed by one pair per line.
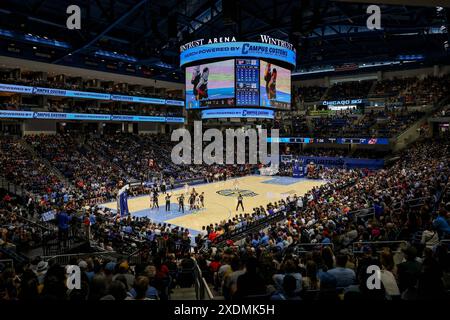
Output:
x,y
235,193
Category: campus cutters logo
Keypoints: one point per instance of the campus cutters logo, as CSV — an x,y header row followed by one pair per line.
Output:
x,y
235,144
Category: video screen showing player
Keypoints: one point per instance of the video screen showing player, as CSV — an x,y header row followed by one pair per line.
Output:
x,y
210,85
275,86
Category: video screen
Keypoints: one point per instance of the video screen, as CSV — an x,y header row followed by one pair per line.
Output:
x,y
247,82
210,85
275,86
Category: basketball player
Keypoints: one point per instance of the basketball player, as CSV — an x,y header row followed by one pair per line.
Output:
x,y
192,201
151,198
240,202
155,200
168,196
181,203
235,184
197,202
202,199
186,189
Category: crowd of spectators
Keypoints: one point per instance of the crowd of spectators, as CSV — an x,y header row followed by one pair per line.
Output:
x,y
92,175
309,94
354,206
392,87
372,124
375,207
412,91
407,91
389,124
21,167
443,113
349,90
67,83
102,278
93,168
334,152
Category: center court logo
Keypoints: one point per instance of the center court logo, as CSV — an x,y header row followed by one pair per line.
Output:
x,y
235,193
213,153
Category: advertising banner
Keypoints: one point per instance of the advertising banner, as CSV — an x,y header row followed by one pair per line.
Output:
x,y
7,114
238,50
341,162
86,95
238,113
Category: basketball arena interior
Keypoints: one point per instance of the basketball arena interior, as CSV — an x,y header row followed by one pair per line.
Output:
x,y
224,150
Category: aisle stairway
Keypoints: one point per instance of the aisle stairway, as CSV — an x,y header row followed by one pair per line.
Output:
x,y
47,163
183,294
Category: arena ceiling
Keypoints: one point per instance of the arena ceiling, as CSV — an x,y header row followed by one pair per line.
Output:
x,y
147,34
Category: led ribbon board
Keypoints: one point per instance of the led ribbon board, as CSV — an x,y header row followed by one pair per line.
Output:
x,y
228,50
370,141
86,95
238,113
6,114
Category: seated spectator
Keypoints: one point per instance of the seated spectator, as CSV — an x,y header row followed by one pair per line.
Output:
x,y
140,287
311,280
289,291
430,285
386,276
118,290
441,224
288,268
430,237
344,276
250,283
408,274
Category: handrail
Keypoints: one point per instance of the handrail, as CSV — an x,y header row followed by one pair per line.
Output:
x,y
395,206
360,245
11,187
65,258
8,262
201,286
38,224
245,229
312,245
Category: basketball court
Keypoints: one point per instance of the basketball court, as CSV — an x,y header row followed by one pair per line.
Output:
x,y
220,200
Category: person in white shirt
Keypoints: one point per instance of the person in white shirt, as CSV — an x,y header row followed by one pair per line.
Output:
x,y
386,273
203,232
430,237
300,203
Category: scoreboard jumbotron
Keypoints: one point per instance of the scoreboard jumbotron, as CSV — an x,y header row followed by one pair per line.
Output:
x,y
238,79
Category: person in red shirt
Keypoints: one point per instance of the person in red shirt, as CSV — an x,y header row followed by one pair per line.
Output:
x,y
215,264
162,271
212,236
87,226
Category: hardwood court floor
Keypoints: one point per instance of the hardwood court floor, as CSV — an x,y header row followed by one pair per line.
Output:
x,y
220,199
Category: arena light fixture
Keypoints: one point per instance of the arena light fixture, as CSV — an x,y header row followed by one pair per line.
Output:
x,y
115,56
